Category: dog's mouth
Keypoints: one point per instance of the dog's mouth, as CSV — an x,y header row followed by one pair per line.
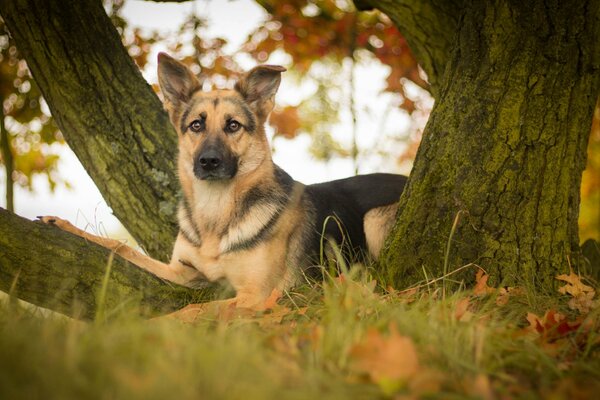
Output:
x,y
215,175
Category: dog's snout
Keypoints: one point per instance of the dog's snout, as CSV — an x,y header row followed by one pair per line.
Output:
x,y
210,160
215,162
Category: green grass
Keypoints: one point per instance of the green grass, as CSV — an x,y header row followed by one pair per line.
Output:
x,y
305,348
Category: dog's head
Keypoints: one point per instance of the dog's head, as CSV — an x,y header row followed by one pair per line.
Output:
x,y
221,133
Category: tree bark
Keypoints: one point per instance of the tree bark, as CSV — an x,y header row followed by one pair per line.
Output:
x,y
56,270
505,147
7,158
107,112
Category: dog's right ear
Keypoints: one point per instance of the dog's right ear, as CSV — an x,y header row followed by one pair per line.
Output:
x,y
176,81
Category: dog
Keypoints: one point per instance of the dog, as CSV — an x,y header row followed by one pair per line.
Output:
x,y
243,218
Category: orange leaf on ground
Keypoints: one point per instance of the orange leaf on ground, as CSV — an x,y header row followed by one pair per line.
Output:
x,y
552,325
461,312
390,360
192,312
583,303
408,295
505,293
272,317
574,286
481,286
583,294
271,302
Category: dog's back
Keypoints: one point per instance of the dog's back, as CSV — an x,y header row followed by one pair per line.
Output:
x,y
356,213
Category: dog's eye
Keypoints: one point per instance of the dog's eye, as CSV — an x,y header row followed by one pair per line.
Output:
x,y
197,126
233,126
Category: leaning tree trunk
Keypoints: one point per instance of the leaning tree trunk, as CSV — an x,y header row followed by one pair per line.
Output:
x,y
505,146
66,273
107,112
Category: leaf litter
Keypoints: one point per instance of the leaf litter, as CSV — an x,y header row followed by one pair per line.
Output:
x,y
388,356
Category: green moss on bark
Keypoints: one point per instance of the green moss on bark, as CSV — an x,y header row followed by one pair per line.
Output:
x,y
107,112
505,144
51,268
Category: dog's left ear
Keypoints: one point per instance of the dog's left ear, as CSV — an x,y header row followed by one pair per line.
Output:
x,y
259,85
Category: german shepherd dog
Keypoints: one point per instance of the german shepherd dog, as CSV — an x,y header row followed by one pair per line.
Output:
x,y
242,218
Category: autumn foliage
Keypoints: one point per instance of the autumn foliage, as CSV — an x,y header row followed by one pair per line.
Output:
x,y
27,127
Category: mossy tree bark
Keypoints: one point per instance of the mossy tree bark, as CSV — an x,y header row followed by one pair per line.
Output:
x,y
7,160
107,112
504,147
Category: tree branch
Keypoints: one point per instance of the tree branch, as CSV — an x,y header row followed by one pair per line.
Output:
x,y
430,28
54,269
107,112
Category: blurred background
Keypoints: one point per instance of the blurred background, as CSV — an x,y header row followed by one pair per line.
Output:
x,y
352,101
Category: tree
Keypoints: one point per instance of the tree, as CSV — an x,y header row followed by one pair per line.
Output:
x,y
498,172
107,112
515,85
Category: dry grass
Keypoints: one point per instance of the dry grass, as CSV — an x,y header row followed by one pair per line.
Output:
x,y
346,338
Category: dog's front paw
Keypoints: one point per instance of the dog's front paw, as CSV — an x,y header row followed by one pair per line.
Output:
x,y
61,223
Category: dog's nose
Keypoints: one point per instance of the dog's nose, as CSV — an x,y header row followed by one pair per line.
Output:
x,y
210,160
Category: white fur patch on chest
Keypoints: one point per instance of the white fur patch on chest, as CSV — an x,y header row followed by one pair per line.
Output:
x,y
250,227
212,204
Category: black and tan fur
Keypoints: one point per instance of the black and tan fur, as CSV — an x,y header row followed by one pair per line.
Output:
x,y
242,218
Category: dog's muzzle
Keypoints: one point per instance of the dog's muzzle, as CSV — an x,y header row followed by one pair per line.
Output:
x,y
214,163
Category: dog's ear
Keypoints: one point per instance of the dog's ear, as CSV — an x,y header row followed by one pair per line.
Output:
x,y
176,81
259,85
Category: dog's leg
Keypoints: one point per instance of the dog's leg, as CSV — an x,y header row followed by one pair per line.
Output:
x,y
174,272
377,224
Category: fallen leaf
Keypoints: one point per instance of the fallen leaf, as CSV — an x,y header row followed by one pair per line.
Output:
x,y
461,312
583,303
481,287
407,296
583,295
574,286
192,312
273,317
552,326
389,361
271,302
505,293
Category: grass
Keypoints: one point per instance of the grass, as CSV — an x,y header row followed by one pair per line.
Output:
x,y
343,339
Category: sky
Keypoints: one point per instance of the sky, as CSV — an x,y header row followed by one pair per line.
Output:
x,y
83,204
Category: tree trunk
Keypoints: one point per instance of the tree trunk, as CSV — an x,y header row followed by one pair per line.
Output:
x,y
54,269
107,112
7,159
504,147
